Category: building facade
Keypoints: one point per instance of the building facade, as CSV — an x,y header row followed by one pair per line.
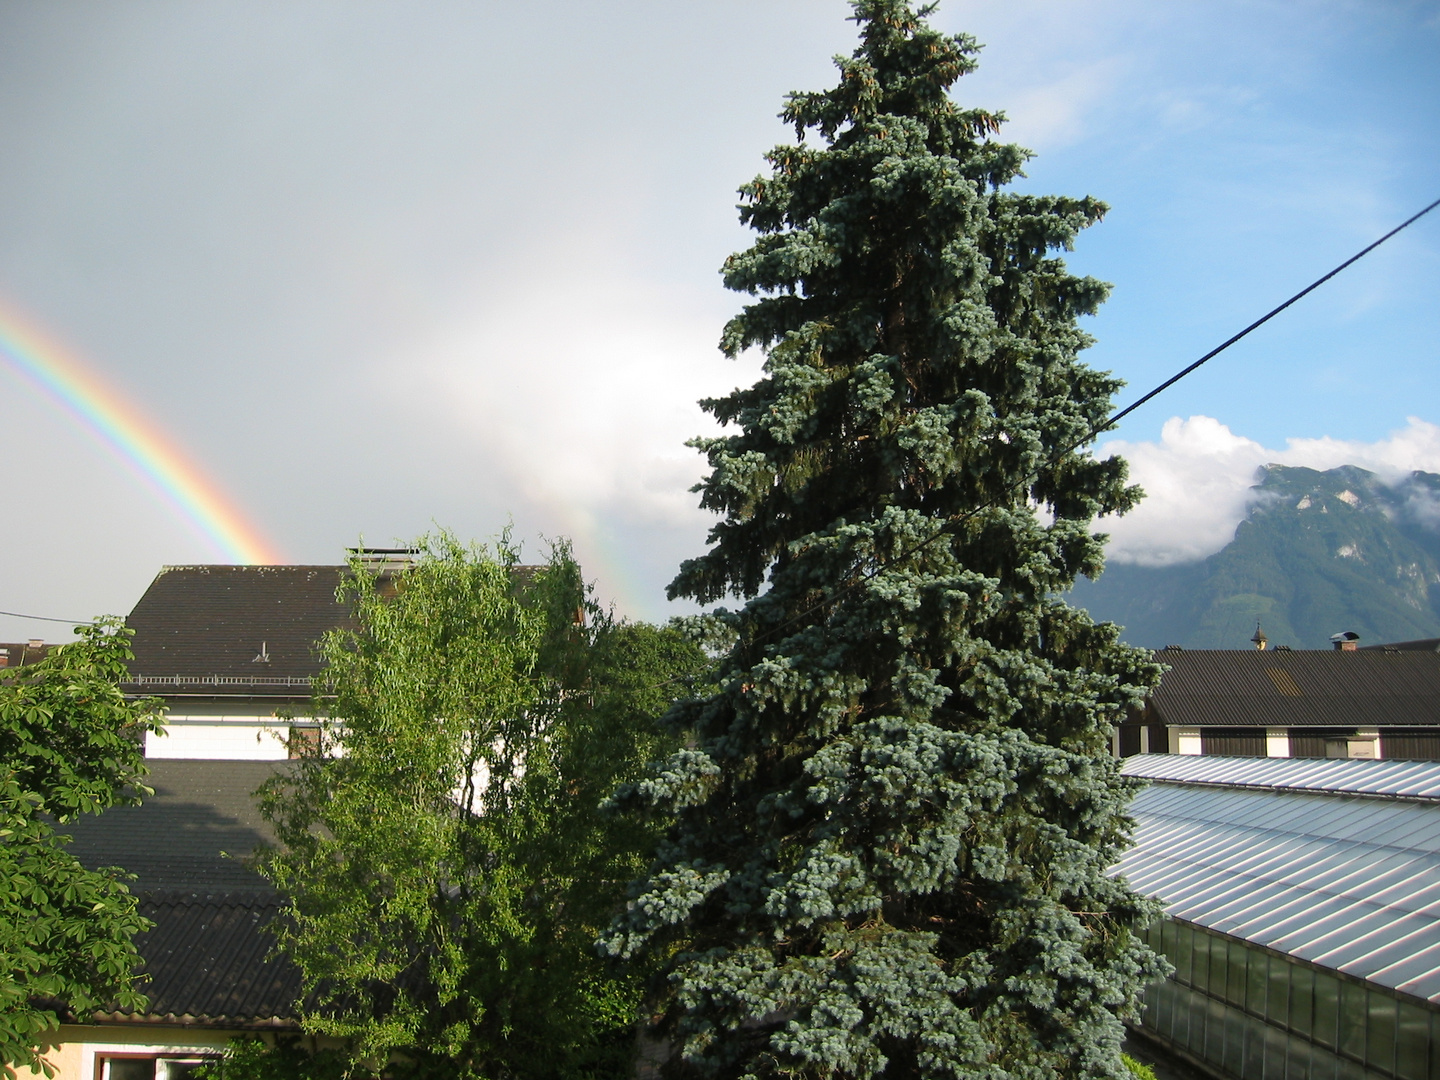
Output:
x,y
1381,703
207,964
1302,914
231,651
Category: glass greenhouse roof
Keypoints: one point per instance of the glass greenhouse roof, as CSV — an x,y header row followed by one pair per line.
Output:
x,y
1353,776
1337,866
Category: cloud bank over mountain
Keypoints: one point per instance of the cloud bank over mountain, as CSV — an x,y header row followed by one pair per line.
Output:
x,y
1198,479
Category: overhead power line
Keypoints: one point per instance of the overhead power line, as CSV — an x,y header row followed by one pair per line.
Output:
x,y
47,618
960,519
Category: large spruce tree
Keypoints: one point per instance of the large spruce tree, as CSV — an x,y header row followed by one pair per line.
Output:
x,y
893,821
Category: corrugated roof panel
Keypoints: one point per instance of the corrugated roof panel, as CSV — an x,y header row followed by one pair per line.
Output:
x,y
1354,776
1351,883
1413,972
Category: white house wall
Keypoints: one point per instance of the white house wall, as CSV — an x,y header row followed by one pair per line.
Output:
x,y
238,732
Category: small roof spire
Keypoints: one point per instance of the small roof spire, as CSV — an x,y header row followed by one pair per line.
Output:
x,y
1260,639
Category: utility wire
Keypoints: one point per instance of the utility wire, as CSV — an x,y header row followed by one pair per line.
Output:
x,y
47,618
1258,322
960,519
1023,483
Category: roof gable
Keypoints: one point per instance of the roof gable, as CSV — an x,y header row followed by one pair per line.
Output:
x,y
248,622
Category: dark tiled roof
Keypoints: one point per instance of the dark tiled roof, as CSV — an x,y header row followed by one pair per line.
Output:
x,y
208,961
207,954
14,654
199,621
1320,688
191,834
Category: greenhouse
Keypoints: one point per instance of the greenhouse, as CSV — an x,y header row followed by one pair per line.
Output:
x,y
1302,904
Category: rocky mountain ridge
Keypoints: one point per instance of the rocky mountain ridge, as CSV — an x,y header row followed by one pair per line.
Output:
x,y
1317,553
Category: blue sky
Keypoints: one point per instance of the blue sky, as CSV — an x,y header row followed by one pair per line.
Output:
x,y
383,266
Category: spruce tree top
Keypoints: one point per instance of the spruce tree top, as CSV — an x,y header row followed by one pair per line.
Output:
x,y
921,338
892,826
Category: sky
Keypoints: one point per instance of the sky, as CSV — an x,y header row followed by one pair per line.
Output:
x,y
355,271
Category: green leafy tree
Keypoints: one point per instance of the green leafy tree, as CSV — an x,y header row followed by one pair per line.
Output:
x,y
448,873
70,744
893,826
249,1057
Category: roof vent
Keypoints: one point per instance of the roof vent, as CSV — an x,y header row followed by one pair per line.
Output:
x,y
1174,648
1283,648
382,559
1345,641
263,656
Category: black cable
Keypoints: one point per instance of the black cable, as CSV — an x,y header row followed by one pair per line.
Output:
x,y
1260,321
960,519
47,618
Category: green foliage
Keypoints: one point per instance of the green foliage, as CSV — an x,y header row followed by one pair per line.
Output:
x,y
248,1057
892,828
1138,1069
448,873
1317,553
70,744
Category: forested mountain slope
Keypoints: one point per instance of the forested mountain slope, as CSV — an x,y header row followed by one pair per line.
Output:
x,y
1318,552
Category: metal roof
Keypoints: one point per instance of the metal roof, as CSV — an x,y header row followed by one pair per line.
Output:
x,y
1300,688
1329,875
1351,776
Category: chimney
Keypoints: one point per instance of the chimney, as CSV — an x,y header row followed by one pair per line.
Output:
x,y
1345,641
1260,639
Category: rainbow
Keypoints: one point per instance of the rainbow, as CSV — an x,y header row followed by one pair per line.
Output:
x,y
136,441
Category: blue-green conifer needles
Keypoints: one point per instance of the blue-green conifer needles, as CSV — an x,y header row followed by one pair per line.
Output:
x,y
893,820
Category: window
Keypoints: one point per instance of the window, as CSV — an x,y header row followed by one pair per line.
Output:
x,y
1258,982
1277,1004
1380,1031
1233,742
1302,997
1327,1005
149,1066
1235,972
1181,955
1410,744
303,741
1319,742
1354,1013
1413,1042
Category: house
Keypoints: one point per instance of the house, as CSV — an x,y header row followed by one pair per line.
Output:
x,y
1341,703
17,653
1302,914
209,972
232,652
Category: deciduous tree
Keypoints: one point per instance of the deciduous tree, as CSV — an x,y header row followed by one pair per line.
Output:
x,y
70,744
446,860
893,826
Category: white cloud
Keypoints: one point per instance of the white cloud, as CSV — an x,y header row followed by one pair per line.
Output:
x,y
1198,479
1053,115
577,398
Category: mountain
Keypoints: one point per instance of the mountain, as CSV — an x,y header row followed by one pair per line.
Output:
x,y
1318,553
